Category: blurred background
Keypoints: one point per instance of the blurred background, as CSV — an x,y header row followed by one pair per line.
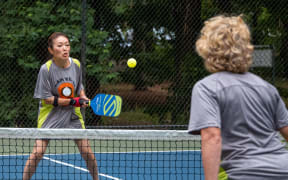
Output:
x,y
159,34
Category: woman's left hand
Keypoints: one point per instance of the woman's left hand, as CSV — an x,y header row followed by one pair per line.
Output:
x,y
85,98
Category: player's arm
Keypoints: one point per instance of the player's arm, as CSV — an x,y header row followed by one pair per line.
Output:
x,y
211,151
83,95
56,101
284,132
60,101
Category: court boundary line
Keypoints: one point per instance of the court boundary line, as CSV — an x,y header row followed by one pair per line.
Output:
x,y
77,167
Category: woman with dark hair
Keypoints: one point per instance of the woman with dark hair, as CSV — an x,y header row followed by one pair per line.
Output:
x,y
237,113
59,88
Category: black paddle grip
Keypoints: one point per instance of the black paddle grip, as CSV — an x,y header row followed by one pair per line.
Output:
x,y
81,101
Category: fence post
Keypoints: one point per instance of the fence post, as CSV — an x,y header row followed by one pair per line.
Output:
x,y
273,64
83,46
83,39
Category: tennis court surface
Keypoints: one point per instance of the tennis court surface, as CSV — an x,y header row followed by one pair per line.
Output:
x,y
120,154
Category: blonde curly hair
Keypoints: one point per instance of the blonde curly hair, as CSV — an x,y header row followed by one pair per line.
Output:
x,y
225,45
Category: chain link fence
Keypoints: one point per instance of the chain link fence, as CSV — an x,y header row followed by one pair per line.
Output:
x,y
159,34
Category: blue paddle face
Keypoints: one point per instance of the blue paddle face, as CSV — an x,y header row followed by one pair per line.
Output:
x,y
106,105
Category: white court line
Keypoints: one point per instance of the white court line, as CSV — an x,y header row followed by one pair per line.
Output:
x,y
79,168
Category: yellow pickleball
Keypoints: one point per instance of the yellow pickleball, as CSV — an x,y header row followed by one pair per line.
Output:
x,y
131,63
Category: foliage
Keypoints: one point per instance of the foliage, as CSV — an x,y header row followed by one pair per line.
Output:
x,y
117,30
25,27
135,117
152,68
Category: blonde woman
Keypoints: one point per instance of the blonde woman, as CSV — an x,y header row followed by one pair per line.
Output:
x,y
237,113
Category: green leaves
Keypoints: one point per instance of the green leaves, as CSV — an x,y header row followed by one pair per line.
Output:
x,y
29,26
24,29
28,62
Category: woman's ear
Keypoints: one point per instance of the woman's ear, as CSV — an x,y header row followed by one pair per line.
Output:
x,y
50,50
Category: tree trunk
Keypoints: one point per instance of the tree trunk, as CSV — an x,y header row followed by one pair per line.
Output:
x,y
141,44
92,84
187,21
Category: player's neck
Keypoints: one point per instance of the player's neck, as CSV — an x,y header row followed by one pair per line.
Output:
x,y
62,63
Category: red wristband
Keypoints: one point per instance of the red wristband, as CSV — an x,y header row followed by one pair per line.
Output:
x,y
75,102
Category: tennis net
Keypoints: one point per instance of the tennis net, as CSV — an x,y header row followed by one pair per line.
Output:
x,y
120,154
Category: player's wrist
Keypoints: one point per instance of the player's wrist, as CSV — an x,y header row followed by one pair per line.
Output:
x,y
75,102
55,101
72,102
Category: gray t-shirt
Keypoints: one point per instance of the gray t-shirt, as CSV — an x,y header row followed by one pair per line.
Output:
x,y
249,112
64,83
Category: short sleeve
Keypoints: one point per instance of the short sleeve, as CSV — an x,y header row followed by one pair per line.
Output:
x,y
204,110
80,85
281,114
43,85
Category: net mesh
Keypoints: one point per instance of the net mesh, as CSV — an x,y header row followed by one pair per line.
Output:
x,y
120,154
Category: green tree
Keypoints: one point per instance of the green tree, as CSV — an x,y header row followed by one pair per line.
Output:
x,y
25,27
